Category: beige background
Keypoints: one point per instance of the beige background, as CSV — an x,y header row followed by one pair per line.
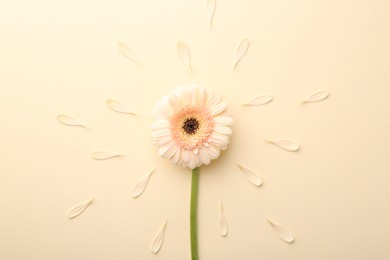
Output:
x,y
61,57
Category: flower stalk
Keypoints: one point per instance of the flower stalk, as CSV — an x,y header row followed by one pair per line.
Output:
x,y
194,213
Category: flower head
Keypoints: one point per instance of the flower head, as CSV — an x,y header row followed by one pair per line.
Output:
x,y
191,126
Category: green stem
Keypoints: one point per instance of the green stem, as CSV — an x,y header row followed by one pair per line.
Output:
x,y
194,213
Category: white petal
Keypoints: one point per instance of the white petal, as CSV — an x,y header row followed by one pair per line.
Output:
x,y
219,139
184,54
218,109
195,150
118,107
213,152
141,184
164,151
198,162
174,101
202,96
287,145
223,224
214,101
67,120
78,209
127,52
186,155
176,157
161,133
223,120
192,163
165,108
241,51
163,141
251,176
316,97
282,232
104,155
194,94
222,129
204,156
259,100
158,240
210,11
162,123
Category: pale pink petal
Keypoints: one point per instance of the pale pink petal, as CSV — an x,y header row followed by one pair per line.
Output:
x,y
165,108
223,120
186,155
212,151
164,150
204,156
161,133
218,109
165,140
176,156
222,129
219,139
192,162
162,123
214,101
202,97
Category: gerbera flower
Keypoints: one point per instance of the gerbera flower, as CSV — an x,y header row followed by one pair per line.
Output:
x,y
191,126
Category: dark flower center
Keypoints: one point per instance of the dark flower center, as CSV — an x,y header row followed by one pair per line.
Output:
x,y
190,126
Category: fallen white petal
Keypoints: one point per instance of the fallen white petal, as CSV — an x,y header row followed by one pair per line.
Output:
x,y
141,184
69,121
118,107
223,224
79,208
184,54
282,232
316,97
241,51
104,155
259,100
127,52
211,4
287,145
158,240
251,176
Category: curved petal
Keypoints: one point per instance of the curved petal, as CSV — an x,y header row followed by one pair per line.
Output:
x,y
161,123
218,109
223,120
222,129
204,156
161,133
212,151
186,155
219,139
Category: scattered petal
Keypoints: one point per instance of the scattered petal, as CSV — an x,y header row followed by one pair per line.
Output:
x,y
282,232
259,100
316,97
211,4
141,184
158,240
184,54
287,145
223,224
251,176
241,51
78,209
127,52
118,107
67,120
104,155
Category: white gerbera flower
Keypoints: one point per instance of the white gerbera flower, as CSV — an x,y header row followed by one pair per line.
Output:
x,y
191,126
